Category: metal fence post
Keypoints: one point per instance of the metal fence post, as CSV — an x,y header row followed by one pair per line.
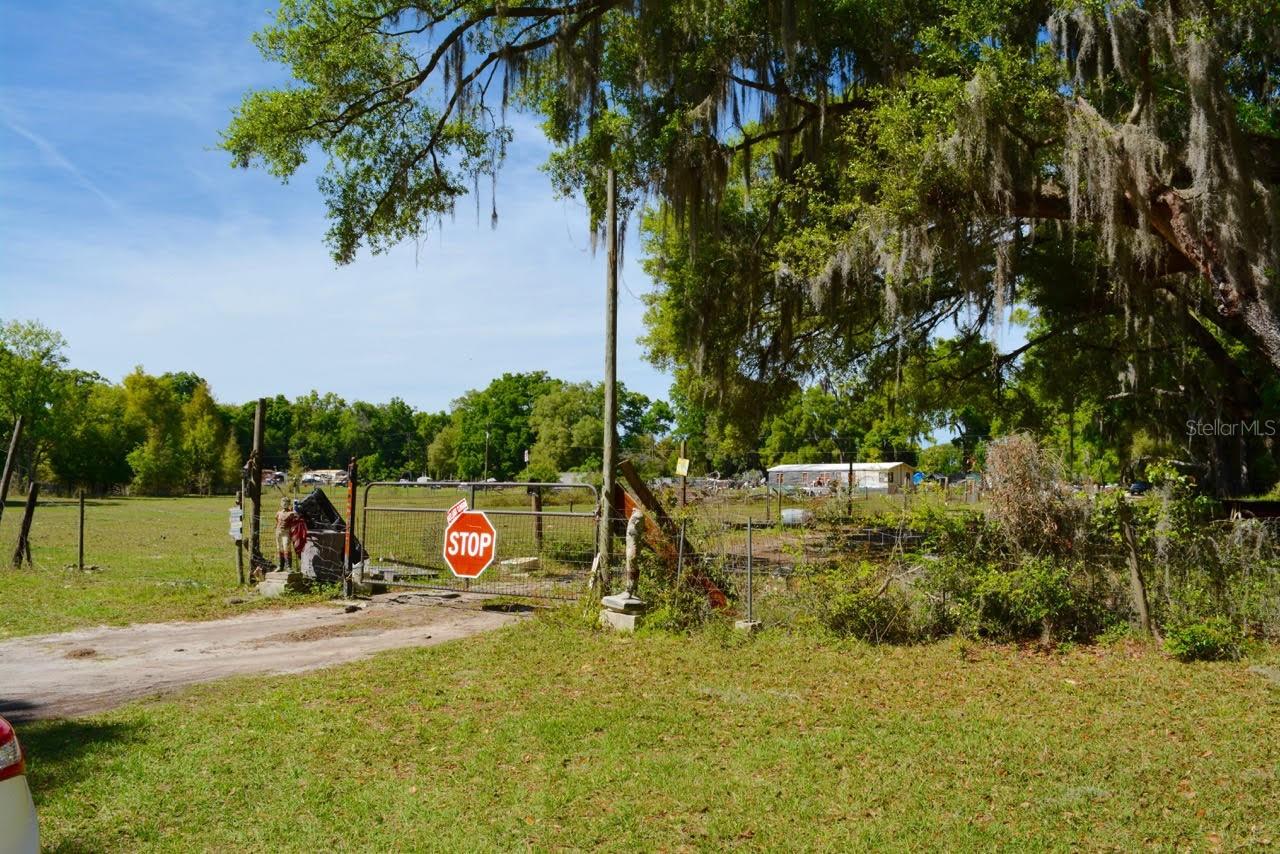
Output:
x,y
750,552
348,569
680,557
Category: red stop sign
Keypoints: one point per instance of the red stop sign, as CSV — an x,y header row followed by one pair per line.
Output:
x,y
470,542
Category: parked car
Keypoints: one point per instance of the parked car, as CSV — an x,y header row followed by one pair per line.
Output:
x,y
19,832
312,478
1139,487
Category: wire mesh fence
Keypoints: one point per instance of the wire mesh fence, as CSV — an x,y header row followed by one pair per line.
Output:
x,y
545,551
788,574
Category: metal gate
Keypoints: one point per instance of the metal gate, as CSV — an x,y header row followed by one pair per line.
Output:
x,y
545,532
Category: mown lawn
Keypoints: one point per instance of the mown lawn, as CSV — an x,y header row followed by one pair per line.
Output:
x,y
157,559
552,736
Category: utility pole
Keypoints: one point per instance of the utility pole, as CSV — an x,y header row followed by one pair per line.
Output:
x,y
10,462
485,476
610,467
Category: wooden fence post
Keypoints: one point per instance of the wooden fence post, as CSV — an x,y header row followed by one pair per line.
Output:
x,y
535,500
256,560
80,539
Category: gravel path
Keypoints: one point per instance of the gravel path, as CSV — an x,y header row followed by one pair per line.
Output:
x,y
92,670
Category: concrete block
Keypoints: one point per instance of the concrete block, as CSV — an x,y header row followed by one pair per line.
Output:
x,y
623,603
277,583
619,622
748,626
520,567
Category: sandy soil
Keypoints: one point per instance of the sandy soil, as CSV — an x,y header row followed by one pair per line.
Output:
x,y
91,670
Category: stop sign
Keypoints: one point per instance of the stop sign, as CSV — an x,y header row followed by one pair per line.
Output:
x,y
470,542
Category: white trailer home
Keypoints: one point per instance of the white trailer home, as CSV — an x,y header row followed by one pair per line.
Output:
x,y
889,478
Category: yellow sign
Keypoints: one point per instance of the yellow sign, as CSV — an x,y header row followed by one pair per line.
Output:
x,y
682,467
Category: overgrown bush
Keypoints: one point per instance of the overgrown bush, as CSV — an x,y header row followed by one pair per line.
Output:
x,y
1028,499
1212,639
862,600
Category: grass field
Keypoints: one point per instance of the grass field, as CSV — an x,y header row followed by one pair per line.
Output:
x,y
157,559
552,736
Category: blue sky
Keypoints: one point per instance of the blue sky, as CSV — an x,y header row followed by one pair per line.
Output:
x,y
122,227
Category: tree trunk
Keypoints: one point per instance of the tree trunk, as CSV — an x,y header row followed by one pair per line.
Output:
x,y
23,549
1137,585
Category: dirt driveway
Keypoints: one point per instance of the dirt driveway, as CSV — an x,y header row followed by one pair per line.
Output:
x,y
91,670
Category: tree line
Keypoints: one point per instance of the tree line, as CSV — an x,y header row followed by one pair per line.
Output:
x,y
167,434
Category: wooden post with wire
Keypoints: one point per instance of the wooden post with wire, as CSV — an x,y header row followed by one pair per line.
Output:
x,y
80,539
256,560
684,478
535,503
849,490
10,462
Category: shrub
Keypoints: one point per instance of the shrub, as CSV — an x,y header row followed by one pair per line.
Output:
x,y
858,599
1027,499
1212,639
1034,596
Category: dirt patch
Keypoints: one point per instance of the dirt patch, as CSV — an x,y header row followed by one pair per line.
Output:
x,y
91,670
351,628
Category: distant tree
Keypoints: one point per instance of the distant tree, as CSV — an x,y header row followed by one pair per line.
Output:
x,y
153,411
815,427
93,441
442,453
157,465
567,429
427,426
382,437
33,384
183,383
945,458
204,439
317,431
494,423
230,464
